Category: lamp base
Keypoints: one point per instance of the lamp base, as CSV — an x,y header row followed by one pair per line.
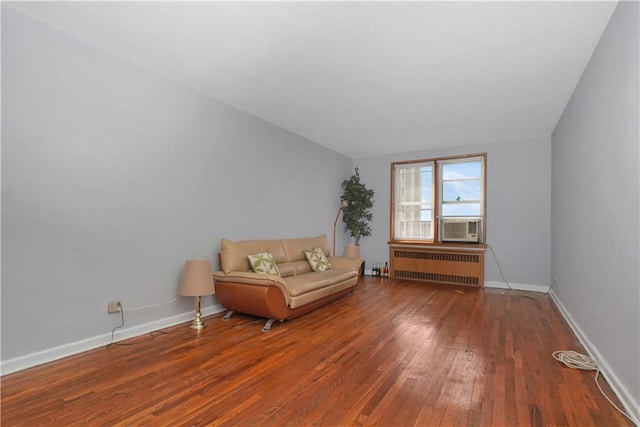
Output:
x,y
197,324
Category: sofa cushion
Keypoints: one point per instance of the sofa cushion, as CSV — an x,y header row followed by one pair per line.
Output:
x,y
295,247
311,296
263,263
297,285
317,260
234,255
294,268
309,282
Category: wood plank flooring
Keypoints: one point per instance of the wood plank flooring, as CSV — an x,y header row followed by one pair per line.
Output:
x,y
394,353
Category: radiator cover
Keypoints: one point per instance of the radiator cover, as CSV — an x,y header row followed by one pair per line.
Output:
x,y
448,266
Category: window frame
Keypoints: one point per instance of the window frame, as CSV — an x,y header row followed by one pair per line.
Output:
x,y
437,202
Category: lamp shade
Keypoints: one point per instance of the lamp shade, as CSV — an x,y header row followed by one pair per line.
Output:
x,y
197,279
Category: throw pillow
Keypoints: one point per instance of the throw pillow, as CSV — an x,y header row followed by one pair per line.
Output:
x,y
317,260
264,263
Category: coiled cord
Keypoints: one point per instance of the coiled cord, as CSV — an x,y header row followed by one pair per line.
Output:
x,y
577,360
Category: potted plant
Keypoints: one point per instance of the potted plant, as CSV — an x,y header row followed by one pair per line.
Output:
x,y
356,201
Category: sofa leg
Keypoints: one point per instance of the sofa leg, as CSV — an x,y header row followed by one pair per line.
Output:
x,y
227,315
267,326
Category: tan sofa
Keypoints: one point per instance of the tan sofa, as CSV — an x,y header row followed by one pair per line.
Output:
x,y
296,291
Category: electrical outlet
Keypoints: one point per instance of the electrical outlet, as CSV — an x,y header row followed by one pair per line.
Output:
x,y
113,307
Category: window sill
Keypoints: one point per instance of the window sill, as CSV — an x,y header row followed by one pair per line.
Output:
x,y
436,245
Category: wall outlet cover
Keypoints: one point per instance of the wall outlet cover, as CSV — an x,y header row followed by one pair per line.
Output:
x,y
113,307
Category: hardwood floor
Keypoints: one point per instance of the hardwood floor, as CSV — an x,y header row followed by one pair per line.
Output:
x,y
395,353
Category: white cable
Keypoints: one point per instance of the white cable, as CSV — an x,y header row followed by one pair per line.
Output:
x,y
113,331
576,360
502,274
499,268
144,307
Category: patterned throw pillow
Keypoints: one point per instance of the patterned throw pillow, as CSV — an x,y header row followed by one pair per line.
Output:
x,y
264,263
317,260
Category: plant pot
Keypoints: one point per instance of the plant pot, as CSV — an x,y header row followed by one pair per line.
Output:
x,y
351,251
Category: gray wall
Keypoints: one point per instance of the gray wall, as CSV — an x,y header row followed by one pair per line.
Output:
x,y
113,176
595,213
518,207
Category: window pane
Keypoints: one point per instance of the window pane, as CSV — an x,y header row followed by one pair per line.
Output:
x,y
461,191
462,169
414,201
461,182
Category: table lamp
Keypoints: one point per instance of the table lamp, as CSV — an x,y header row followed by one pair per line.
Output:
x,y
197,281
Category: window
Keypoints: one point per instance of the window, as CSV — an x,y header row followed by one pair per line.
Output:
x,y
461,183
414,201
427,192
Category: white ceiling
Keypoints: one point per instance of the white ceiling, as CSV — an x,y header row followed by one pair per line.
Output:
x,y
364,78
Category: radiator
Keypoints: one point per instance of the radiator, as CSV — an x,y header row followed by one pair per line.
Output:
x,y
449,266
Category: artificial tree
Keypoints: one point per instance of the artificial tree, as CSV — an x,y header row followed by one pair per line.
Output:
x,y
356,214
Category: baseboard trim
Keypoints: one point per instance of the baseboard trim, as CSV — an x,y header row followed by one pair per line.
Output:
x,y
630,406
517,286
66,350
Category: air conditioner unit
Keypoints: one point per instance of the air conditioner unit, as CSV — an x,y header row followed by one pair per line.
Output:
x,y
467,230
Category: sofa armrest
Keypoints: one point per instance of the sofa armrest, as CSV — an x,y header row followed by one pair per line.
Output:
x,y
249,277
345,263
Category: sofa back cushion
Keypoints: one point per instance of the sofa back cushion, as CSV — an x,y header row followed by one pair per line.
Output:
x,y
234,256
295,247
288,253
